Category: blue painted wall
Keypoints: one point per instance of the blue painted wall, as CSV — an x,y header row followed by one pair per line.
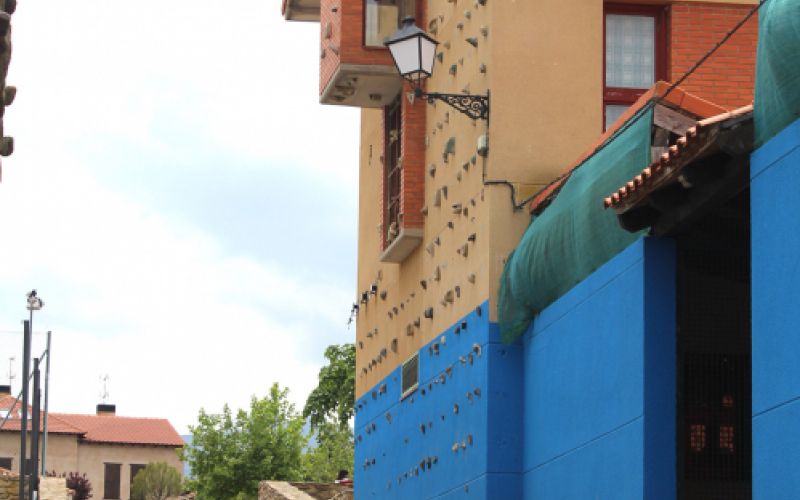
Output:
x,y
583,407
775,222
421,447
599,372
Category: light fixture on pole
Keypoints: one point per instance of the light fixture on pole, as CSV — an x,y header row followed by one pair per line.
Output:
x,y
414,52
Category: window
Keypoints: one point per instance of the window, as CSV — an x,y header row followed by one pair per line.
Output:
x,y
634,55
111,488
410,376
135,468
393,126
382,18
6,463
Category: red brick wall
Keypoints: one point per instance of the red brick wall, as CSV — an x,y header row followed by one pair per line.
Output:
x,y
347,28
413,147
327,17
727,78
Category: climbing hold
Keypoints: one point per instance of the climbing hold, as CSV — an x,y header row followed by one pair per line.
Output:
x,y
473,41
424,284
429,313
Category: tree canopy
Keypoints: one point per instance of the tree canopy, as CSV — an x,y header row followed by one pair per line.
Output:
x,y
333,452
334,396
230,455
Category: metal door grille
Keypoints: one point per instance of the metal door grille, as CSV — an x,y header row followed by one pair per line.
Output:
x,y
714,400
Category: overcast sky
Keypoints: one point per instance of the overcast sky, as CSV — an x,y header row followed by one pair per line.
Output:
x,y
180,200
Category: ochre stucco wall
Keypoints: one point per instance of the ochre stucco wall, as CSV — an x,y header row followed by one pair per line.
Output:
x,y
93,457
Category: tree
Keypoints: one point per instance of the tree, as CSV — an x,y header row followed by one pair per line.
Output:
x,y
157,481
334,396
81,485
229,456
333,452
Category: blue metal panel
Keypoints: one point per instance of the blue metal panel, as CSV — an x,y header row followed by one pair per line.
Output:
x,y
775,184
600,383
775,223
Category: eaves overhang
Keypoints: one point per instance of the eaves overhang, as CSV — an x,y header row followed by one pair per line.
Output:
x,y
705,167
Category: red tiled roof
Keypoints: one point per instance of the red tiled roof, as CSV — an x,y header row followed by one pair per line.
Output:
x,y
668,167
677,98
102,429
123,430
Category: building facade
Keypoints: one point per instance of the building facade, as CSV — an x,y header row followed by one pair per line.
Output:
x,y
109,449
581,404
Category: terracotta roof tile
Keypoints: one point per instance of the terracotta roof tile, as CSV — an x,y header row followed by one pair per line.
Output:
x,y
102,429
677,98
124,430
668,166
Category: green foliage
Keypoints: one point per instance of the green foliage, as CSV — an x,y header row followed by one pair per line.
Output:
x,y
334,452
157,481
229,456
334,396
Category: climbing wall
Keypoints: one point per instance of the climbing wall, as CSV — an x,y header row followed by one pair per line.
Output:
x,y
458,434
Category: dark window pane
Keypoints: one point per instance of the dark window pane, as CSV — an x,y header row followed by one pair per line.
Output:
x,y
111,487
135,468
6,463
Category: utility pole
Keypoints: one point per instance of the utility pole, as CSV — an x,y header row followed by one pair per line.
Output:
x,y
33,483
46,405
23,452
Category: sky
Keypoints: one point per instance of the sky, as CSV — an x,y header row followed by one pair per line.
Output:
x,y
179,199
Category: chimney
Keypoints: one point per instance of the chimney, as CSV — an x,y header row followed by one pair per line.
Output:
x,y
106,410
5,390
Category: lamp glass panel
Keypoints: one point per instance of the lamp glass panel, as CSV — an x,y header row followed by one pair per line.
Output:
x,y
428,55
406,56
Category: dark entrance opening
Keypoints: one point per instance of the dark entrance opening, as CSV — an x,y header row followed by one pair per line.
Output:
x,y
714,353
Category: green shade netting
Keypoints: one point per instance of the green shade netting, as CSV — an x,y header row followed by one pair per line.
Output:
x,y
777,102
575,235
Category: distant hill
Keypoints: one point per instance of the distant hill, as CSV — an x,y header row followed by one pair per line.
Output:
x,y
187,471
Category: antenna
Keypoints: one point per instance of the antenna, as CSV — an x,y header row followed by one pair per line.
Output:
x,y
11,375
104,391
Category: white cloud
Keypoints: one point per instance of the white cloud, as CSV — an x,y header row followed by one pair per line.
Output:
x,y
176,321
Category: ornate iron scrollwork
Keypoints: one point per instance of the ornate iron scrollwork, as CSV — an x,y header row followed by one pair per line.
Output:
x,y
474,106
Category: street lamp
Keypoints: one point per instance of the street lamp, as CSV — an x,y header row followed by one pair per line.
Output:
x,y
414,52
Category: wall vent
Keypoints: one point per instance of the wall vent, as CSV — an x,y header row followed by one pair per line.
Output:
x,y
410,376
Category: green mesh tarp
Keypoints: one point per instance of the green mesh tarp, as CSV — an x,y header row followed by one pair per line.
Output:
x,y
575,235
777,102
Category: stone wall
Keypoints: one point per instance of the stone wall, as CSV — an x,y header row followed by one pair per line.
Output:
x,y
282,490
50,488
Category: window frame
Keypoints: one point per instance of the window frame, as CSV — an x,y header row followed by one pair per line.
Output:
x,y
626,96
401,14
392,168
